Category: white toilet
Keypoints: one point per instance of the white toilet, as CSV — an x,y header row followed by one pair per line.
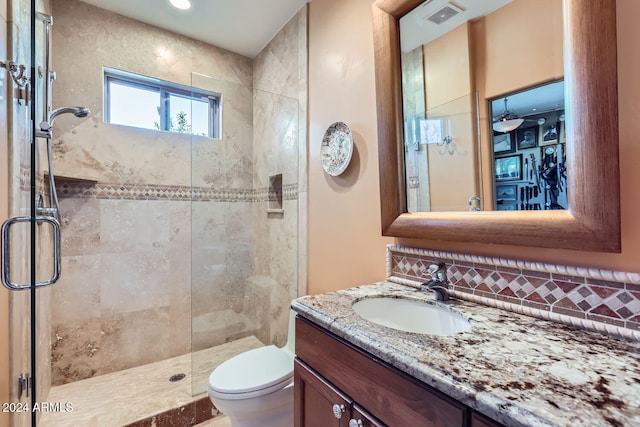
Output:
x,y
255,388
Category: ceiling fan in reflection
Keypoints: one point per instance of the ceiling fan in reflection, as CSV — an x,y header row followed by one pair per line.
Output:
x,y
507,121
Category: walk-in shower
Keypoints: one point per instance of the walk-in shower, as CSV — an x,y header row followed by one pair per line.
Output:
x,y
173,258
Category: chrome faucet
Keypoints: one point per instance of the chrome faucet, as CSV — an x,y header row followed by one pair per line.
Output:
x,y
438,283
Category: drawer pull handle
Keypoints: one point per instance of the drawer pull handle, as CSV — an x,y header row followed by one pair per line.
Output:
x,y
355,423
338,410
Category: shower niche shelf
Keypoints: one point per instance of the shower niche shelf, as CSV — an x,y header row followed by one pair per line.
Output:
x,y
274,205
67,178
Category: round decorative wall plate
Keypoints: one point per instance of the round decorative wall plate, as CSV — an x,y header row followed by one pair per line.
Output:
x,y
336,149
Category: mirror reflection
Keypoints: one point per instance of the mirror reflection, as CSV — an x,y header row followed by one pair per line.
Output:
x,y
529,140
471,69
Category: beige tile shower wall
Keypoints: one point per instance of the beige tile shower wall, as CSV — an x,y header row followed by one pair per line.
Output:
x,y
225,163
221,273
126,292
276,240
414,107
222,239
44,271
44,236
279,102
86,38
124,298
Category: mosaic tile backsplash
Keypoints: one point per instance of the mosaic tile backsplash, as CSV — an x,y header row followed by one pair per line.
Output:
x,y
605,297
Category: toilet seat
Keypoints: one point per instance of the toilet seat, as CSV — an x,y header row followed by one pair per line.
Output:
x,y
253,373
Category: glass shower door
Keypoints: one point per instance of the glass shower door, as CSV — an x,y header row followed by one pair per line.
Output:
x,y
244,222
222,321
30,240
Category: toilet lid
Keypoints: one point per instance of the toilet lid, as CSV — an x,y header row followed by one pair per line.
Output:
x,y
261,368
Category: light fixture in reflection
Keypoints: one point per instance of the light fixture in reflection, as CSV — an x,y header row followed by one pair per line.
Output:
x,y
507,121
180,4
507,125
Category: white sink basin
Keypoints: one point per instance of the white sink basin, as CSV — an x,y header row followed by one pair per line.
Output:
x,y
411,316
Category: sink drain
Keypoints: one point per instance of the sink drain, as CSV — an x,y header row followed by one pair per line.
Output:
x,y
177,377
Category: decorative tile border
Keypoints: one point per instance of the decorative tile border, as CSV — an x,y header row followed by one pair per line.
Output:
x,y
289,192
602,300
119,191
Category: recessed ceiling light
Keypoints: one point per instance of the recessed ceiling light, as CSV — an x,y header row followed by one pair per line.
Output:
x,y
180,4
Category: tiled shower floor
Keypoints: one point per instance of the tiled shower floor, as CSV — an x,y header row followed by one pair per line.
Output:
x,y
122,397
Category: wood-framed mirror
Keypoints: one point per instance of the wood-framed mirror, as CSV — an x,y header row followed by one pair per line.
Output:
x,y
592,220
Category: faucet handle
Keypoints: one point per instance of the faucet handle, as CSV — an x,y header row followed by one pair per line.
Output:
x,y
433,268
438,271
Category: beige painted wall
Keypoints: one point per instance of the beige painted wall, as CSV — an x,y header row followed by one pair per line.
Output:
x,y
345,247
451,192
447,67
507,56
448,83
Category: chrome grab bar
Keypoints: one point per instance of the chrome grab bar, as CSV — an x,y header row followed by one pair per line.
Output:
x,y
6,260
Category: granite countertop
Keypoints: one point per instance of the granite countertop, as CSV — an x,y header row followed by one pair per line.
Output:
x,y
518,370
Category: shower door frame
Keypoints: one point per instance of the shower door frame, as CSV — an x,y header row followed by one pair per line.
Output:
x,y
23,379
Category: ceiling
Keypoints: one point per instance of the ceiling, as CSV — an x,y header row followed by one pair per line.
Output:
x,y
241,26
549,97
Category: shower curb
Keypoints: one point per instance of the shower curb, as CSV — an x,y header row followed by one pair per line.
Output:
x,y
188,415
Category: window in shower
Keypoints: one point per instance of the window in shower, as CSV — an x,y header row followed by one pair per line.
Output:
x,y
149,103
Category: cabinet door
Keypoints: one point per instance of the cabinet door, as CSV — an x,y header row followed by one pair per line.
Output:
x,y
316,402
361,418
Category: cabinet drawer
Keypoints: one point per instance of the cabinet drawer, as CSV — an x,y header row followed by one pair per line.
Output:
x,y
391,396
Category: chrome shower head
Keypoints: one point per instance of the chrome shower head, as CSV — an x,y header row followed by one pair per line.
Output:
x,y
79,112
46,127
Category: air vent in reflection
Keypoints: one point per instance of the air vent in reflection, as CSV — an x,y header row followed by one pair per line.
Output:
x,y
444,14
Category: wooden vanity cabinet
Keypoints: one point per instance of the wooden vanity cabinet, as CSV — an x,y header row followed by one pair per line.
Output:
x,y
331,373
